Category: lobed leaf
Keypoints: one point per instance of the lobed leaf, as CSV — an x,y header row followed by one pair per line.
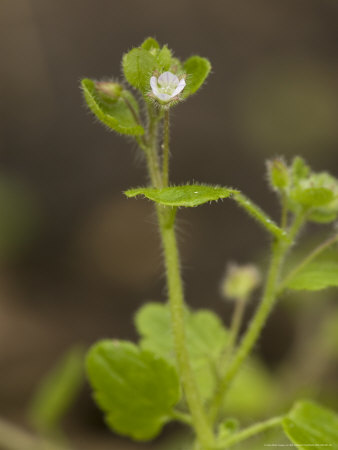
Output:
x,y
319,274
197,69
57,391
113,113
188,195
136,388
206,338
310,425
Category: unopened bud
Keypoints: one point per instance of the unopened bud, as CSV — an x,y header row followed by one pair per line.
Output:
x,y
110,89
278,174
240,281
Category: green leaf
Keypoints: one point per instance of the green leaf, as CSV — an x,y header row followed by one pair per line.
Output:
x,y
57,391
187,195
197,69
113,113
253,392
205,334
311,425
138,66
164,59
150,44
313,197
136,389
319,274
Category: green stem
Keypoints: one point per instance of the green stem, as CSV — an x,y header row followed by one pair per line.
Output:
x,y
182,417
254,330
316,252
284,214
14,438
250,431
165,167
166,218
235,326
151,148
176,303
256,212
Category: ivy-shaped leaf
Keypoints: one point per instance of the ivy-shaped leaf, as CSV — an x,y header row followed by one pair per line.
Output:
x,y
319,274
114,113
197,69
138,66
205,336
57,391
136,388
188,195
310,425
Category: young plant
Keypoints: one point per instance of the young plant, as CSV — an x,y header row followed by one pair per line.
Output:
x,y
186,361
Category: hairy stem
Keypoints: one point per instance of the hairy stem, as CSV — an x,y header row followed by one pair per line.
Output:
x,y
235,326
151,148
176,303
250,431
165,167
175,293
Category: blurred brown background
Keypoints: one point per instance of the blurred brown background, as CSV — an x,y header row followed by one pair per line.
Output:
x,y
77,258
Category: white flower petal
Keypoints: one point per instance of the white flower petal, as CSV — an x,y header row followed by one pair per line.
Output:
x,y
154,86
163,97
180,87
153,82
168,78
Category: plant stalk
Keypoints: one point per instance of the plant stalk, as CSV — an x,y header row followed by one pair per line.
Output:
x,y
165,168
250,431
175,292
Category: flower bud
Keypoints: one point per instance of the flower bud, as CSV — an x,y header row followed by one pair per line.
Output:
x,y
240,281
109,89
278,174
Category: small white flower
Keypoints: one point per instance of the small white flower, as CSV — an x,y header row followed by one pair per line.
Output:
x,y
166,86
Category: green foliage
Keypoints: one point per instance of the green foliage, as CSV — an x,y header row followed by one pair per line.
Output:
x,y
188,195
150,44
309,424
315,193
319,274
57,392
115,113
138,66
278,174
205,338
253,391
226,428
197,69
135,387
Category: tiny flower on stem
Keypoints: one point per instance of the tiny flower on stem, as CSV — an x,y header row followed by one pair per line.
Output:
x,y
166,87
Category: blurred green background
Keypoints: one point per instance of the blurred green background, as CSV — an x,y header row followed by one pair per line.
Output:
x,y
77,258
